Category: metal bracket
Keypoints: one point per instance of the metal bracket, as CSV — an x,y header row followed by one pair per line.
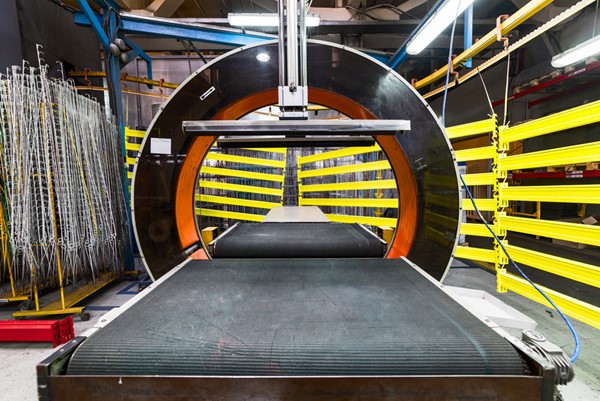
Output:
x,y
552,353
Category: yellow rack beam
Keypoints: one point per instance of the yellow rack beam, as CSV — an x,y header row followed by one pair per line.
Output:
x,y
225,200
229,215
130,160
572,118
440,200
281,151
584,153
373,221
583,233
133,146
242,174
134,133
241,188
553,193
441,220
348,186
334,154
578,271
471,129
480,179
580,310
352,202
511,23
439,180
476,229
351,168
246,160
486,152
483,255
130,174
483,204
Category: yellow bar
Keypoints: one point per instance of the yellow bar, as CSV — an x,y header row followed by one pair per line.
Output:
x,y
387,234
133,146
348,186
583,233
445,181
373,221
439,200
486,152
553,157
482,255
241,188
134,133
241,174
356,202
480,179
282,151
580,310
130,174
471,129
334,154
208,234
553,193
572,118
230,215
441,220
351,168
511,23
225,200
484,205
477,229
246,160
578,271
130,160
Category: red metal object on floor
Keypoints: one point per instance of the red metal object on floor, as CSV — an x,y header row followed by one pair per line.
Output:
x,y
55,331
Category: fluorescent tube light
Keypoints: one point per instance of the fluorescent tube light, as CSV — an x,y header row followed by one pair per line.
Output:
x,y
440,20
265,19
580,52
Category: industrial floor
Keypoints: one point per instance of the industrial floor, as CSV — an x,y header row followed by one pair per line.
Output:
x,y
18,380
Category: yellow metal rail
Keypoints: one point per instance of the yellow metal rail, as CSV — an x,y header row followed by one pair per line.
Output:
x,y
482,255
335,154
241,188
348,186
476,229
585,234
242,174
587,152
227,200
486,152
373,221
483,204
471,129
351,168
281,151
553,193
230,215
351,202
580,310
246,160
480,179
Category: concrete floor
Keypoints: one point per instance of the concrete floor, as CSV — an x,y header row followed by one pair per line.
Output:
x,y
18,379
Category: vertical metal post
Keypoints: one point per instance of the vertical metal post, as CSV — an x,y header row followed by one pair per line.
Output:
x,y
281,48
292,44
303,81
468,35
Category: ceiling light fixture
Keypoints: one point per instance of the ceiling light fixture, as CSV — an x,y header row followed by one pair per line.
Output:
x,y
265,19
436,23
580,52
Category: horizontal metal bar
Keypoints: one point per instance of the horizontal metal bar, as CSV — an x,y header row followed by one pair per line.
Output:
x,y
245,160
130,160
276,142
351,168
471,129
335,154
229,215
571,269
486,152
483,204
483,255
553,193
572,118
296,127
227,200
282,151
134,132
242,174
241,188
586,234
132,146
440,200
351,202
480,179
348,186
587,152
580,310
476,229
373,221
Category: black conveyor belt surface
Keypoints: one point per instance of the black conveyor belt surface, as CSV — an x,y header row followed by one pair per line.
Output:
x,y
298,240
296,317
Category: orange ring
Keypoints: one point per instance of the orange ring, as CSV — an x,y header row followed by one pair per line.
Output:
x,y
407,187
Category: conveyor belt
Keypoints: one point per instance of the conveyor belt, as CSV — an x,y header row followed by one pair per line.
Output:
x,y
298,240
296,317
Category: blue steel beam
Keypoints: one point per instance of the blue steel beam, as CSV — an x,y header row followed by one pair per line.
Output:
x,y
468,33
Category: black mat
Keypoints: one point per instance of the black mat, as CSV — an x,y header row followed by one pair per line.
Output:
x,y
296,317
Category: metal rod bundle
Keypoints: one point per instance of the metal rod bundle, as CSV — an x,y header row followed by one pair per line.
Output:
x,y
63,210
